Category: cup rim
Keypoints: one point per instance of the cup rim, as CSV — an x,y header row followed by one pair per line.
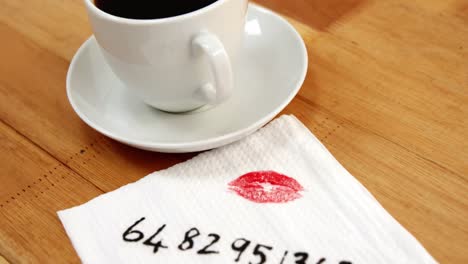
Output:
x,y
104,15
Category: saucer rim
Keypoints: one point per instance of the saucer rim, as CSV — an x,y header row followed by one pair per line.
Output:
x,y
198,145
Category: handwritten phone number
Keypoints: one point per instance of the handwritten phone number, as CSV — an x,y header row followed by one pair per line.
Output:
x,y
243,248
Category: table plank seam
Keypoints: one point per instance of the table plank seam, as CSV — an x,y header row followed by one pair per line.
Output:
x,y
330,132
44,176
34,185
327,132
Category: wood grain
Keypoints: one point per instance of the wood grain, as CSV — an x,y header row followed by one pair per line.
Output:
x,y
29,223
3,260
386,92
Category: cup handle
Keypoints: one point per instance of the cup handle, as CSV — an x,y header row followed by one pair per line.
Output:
x,y
209,45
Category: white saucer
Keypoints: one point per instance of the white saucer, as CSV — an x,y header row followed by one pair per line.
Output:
x,y
273,68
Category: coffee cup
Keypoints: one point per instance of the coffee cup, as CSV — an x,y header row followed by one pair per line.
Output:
x,y
175,59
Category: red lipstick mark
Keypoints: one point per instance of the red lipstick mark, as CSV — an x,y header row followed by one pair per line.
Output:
x,y
266,187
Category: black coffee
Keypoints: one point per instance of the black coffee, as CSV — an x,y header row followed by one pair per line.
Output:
x,y
150,9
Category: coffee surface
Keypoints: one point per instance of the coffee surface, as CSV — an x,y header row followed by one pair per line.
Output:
x,y
150,9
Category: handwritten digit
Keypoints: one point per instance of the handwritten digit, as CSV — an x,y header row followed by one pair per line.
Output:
x,y
205,251
188,239
244,244
301,257
129,231
258,252
158,244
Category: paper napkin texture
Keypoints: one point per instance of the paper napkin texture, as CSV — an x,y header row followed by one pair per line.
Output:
x,y
189,214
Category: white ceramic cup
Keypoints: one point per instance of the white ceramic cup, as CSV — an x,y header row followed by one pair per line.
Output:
x,y
177,63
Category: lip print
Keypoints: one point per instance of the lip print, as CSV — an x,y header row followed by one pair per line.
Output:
x,y
266,187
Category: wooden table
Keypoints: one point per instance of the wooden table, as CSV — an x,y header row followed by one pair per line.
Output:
x,y
386,92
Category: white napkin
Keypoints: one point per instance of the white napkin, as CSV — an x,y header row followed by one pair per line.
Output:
x,y
192,213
